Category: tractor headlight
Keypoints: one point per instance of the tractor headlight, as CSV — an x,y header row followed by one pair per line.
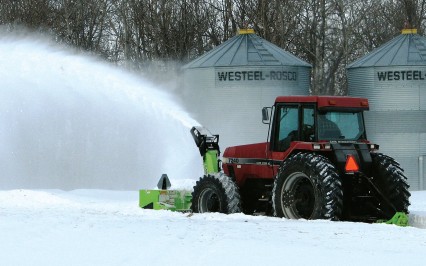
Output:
x,y
373,147
321,146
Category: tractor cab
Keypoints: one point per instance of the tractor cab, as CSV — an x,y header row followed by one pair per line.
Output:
x,y
315,119
332,126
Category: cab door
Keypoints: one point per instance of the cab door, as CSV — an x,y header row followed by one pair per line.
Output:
x,y
292,123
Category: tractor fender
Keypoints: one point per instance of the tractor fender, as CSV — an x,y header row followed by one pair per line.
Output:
x,y
337,154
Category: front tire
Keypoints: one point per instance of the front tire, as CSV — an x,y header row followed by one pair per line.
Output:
x,y
307,186
216,193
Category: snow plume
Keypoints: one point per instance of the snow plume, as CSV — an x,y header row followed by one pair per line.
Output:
x,y
70,121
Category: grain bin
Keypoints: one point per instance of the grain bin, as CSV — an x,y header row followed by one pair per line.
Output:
x,y
226,88
393,78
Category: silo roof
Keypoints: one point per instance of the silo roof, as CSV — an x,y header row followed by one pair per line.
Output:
x,y
246,49
408,48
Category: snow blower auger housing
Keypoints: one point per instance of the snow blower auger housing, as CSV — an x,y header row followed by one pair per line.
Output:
x,y
165,199
317,163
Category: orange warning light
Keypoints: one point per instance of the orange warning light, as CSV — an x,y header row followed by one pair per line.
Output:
x,y
351,165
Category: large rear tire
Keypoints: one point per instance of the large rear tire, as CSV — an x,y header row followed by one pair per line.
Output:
x,y
390,179
307,186
216,193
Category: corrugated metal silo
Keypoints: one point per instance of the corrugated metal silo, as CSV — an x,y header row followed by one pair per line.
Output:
x,y
393,78
226,88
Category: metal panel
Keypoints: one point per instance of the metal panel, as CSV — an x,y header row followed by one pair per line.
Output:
x,y
411,170
406,152
422,162
405,49
422,172
422,145
422,98
196,82
270,76
389,94
395,121
246,50
233,108
393,78
398,145
397,116
226,88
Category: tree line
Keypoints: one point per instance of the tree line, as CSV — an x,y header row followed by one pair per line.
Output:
x,y
329,34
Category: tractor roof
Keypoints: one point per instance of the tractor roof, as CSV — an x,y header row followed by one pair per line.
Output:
x,y
324,102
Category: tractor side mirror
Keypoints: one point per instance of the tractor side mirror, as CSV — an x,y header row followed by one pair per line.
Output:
x,y
265,115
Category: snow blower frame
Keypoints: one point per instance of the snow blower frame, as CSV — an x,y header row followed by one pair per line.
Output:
x,y
180,200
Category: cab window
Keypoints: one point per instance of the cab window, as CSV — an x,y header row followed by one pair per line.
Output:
x,y
287,127
308,129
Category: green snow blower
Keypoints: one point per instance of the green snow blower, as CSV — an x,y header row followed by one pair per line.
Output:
x,y
180,200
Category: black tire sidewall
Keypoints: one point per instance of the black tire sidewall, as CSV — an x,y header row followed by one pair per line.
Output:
x,y
285,174
390,178
302,163
225,190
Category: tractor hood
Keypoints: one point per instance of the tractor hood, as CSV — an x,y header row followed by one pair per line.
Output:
x,y
257,150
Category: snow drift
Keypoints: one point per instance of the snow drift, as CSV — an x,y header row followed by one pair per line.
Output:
x,y
98,227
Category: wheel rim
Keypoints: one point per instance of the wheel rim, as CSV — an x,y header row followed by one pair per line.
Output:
x,y
209,201
298,196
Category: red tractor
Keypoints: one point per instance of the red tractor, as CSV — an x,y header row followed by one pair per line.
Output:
x,y
316,164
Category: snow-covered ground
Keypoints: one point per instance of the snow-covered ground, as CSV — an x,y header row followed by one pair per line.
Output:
x,y
103,227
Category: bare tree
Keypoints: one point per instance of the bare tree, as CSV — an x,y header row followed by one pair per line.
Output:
x,y
35,14
140,34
